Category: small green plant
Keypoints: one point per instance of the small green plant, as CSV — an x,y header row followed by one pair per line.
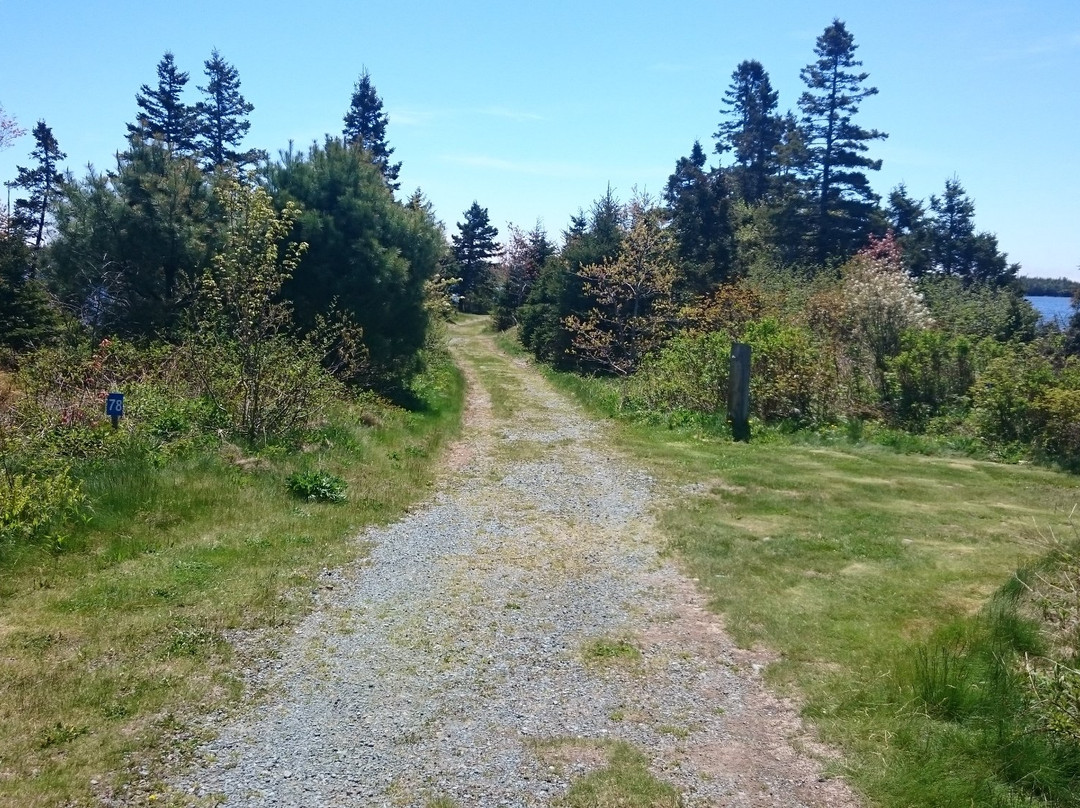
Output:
x,y
625,781
317,486
59,734
609,650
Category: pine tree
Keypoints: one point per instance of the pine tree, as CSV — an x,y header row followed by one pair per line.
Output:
x,y
957,249
44,182
698,204
365,127
474,247
163,115
222,118
909,222
753,130
27,315
845,200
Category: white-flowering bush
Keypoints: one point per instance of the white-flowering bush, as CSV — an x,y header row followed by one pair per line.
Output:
x,y
880,303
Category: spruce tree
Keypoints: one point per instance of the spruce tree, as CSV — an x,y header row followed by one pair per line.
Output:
x,y
44,183
365,127
907,217
837,145
222,118
956,248
752,131
474,247
698,204
163,115
27,315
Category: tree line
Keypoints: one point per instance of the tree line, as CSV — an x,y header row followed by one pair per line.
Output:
x,y
896,311
122,252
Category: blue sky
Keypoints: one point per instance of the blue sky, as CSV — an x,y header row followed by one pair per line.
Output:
x,y
533,109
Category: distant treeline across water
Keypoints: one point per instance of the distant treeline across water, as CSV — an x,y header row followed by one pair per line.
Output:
x,y
1048,287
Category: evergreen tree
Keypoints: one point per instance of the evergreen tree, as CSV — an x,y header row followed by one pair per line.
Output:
x,y
222,118
130,244
592,238
474,247
369,256
163,115
44,182
698,205
365,127
837,145
909,222
956,248
753,130
27,316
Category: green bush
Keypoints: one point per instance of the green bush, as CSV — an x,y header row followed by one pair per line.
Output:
x,y
929,377
1057,411
1004,395
689,373
317,486
784,366
34,508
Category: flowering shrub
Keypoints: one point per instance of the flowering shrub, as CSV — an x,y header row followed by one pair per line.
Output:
x,y
880,302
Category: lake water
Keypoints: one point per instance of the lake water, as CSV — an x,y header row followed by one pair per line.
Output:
x,y
1052,308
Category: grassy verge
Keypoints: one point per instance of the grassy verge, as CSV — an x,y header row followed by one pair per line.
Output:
x,y
110,650
888,583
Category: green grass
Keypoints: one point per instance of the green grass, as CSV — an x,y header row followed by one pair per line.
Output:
x,y
861,566
111,649
607,651
618,775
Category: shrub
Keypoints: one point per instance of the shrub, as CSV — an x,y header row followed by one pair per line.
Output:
x,y
1005,392
880,302
317,486
1057,411
930,375
690,373
35,507
783,369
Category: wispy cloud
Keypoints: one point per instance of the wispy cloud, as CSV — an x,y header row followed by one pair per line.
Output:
x,y
412,116
420,116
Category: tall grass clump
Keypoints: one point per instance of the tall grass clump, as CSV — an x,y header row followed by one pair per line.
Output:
x,y
985,704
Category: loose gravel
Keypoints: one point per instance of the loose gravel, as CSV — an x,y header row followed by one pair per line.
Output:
x,y
454,661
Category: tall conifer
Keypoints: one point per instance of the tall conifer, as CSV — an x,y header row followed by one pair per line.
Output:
x,y
163,115
837,145
365,126
44,183
752,131
222,117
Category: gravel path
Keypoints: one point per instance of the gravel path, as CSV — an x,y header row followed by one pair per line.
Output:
x,y
453,666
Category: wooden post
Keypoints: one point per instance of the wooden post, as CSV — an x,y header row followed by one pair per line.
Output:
x,y
739,392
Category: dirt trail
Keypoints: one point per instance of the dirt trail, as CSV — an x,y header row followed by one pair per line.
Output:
x,y
501,639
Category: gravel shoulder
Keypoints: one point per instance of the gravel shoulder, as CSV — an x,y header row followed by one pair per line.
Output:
x,y
454,662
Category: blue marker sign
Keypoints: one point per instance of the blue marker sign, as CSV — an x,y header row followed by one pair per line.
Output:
x,y
114,407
